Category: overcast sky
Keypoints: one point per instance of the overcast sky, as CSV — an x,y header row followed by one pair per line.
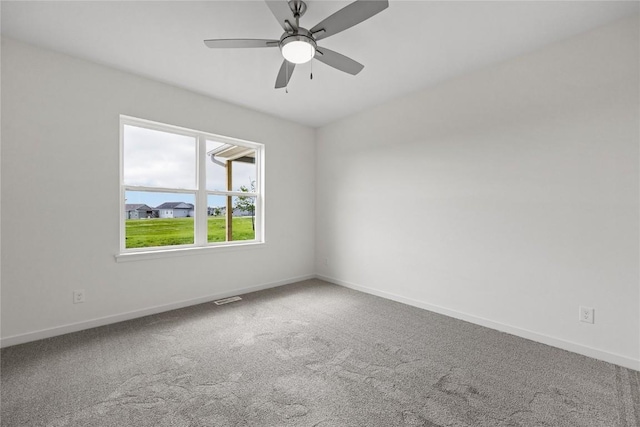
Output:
x,y
160,159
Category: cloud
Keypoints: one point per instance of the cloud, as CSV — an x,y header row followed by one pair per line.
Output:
x,y
165,160
159,159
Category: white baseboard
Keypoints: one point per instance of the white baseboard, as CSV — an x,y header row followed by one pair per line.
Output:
x,y
595,353
617,359
107,320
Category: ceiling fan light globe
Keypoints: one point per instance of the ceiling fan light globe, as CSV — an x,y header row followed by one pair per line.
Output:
x,y
298,48
298,52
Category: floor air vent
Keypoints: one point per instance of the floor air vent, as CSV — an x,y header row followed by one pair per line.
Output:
x,y
227,300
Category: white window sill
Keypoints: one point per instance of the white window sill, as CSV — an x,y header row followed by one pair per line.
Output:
x,y
199,250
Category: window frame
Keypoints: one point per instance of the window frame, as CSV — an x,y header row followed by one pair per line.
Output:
x,y
200,193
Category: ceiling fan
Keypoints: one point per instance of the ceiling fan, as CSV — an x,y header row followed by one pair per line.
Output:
x,y
299,45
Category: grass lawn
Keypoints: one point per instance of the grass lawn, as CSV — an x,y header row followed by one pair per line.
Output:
x,y
144,233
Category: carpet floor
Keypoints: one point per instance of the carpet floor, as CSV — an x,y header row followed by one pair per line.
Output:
x,y
308,354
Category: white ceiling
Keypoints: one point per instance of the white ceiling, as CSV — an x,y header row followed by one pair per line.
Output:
x,y
409,46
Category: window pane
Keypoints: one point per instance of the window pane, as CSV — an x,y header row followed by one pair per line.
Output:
x,y
243,166
158,219
158,159
216,219
244,218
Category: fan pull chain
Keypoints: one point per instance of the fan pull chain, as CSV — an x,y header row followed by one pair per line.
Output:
x,y
286,85
311,49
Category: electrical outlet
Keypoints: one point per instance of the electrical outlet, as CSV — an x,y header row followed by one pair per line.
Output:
x,y
586,314
325,262
78,296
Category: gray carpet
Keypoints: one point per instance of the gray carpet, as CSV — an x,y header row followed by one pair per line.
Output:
x,y
308,354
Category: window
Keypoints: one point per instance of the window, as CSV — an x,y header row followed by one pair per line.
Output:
x,y
181,188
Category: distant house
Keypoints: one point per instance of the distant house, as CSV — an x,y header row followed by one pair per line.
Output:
x,y
222,210
137,211
239,212
175,210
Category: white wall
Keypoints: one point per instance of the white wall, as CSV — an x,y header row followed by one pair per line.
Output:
x,y
60,208
507,197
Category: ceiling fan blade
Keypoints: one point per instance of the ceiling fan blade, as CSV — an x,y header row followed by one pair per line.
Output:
x,y
282,12
348,16
338,61
286,70
230,43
